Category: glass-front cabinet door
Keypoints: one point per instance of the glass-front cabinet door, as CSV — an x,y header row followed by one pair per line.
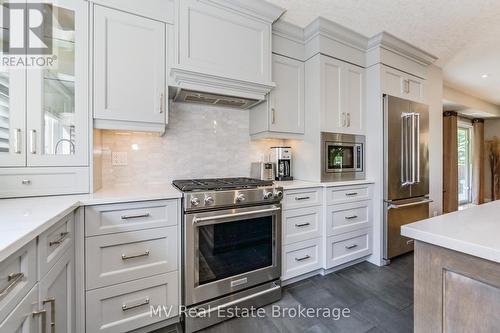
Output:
x,y
12,106
57,115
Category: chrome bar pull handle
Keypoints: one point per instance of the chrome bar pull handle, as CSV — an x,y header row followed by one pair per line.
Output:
x,y
352,217
301,225
43,316
17,141
348,119
127,257
350,247
303,258
126,307
14,279
413,155
61,238
33,141
351,194
135,216
52,302
302,198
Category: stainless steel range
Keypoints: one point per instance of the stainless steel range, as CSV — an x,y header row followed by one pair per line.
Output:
x,y
231,256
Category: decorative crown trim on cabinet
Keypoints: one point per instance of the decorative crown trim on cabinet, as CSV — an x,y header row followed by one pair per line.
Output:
x,y
330,29
394,44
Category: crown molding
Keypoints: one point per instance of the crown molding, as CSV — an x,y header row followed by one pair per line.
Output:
x,y
394,44
288,30
341,34
258,8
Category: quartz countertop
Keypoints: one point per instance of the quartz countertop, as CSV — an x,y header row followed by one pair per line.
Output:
x,y
23,219
298,184
474,231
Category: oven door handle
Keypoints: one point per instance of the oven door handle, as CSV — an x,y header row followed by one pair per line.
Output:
x,y
199,220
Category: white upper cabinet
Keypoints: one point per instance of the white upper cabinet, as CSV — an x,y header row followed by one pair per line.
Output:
x,y
403,85
129,71
44,110
224,47
341,87
12,117
283,112
57,121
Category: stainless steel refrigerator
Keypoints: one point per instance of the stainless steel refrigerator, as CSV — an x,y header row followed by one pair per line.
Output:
x,y
406,168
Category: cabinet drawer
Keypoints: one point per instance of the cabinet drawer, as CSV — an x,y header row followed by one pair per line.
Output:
x,y
301,258
25,182
112,259
338,195
54,242
17,277
108,219
301,224
347,247
302,198
348,217
125,307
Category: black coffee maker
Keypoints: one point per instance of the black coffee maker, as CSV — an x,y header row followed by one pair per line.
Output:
x,y
282,158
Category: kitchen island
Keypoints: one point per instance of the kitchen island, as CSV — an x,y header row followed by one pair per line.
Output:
x,y
457,271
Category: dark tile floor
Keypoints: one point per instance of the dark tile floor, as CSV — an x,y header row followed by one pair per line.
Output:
x,y
380,299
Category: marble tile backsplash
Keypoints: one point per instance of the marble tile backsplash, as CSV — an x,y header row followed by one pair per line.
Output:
x,y
200,141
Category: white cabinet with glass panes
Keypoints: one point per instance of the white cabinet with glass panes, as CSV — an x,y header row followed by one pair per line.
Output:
x,y
44,118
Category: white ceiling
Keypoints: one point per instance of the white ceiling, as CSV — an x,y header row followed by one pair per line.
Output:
x,y
463,34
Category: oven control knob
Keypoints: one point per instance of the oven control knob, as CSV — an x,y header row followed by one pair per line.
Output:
x,y
240,197
278,194
268,195
195,201
209,201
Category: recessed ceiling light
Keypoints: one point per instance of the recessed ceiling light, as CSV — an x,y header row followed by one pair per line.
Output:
x,y
484,76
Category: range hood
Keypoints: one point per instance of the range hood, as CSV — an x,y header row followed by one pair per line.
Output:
x,y
197,97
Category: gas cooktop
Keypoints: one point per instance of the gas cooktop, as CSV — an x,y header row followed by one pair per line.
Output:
x,y
215,184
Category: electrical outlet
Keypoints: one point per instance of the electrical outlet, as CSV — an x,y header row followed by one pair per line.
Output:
x,y
119,158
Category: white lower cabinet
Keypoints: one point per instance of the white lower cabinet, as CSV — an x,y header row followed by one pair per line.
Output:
x,y
347,247
43,301
302,257
57,295
347,217
127,306
131,264
302,224
25,318
116,258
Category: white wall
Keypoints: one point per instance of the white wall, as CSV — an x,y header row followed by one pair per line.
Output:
x,y
472,102
434,91
200,141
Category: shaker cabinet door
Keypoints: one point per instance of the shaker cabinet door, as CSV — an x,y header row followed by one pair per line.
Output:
x,y
129,70
287,98
57,108
57,295
12,117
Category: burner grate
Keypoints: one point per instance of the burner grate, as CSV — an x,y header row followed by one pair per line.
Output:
x,y
214,184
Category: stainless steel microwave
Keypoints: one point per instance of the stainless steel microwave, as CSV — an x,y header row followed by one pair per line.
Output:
x,y
342,157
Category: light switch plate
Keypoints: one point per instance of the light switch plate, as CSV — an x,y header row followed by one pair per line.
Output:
x,y
119,158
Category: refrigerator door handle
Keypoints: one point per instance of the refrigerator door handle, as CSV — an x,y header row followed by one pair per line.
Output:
x,y
394,206
413,157
417,148
406,150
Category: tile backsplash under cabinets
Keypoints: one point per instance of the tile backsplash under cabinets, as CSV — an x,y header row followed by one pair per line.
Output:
x,y
200,141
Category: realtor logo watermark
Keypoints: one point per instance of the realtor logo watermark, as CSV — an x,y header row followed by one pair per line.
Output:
x,y
27,37
274,311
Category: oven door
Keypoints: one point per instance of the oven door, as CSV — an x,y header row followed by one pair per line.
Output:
x,y
226,251
343,157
